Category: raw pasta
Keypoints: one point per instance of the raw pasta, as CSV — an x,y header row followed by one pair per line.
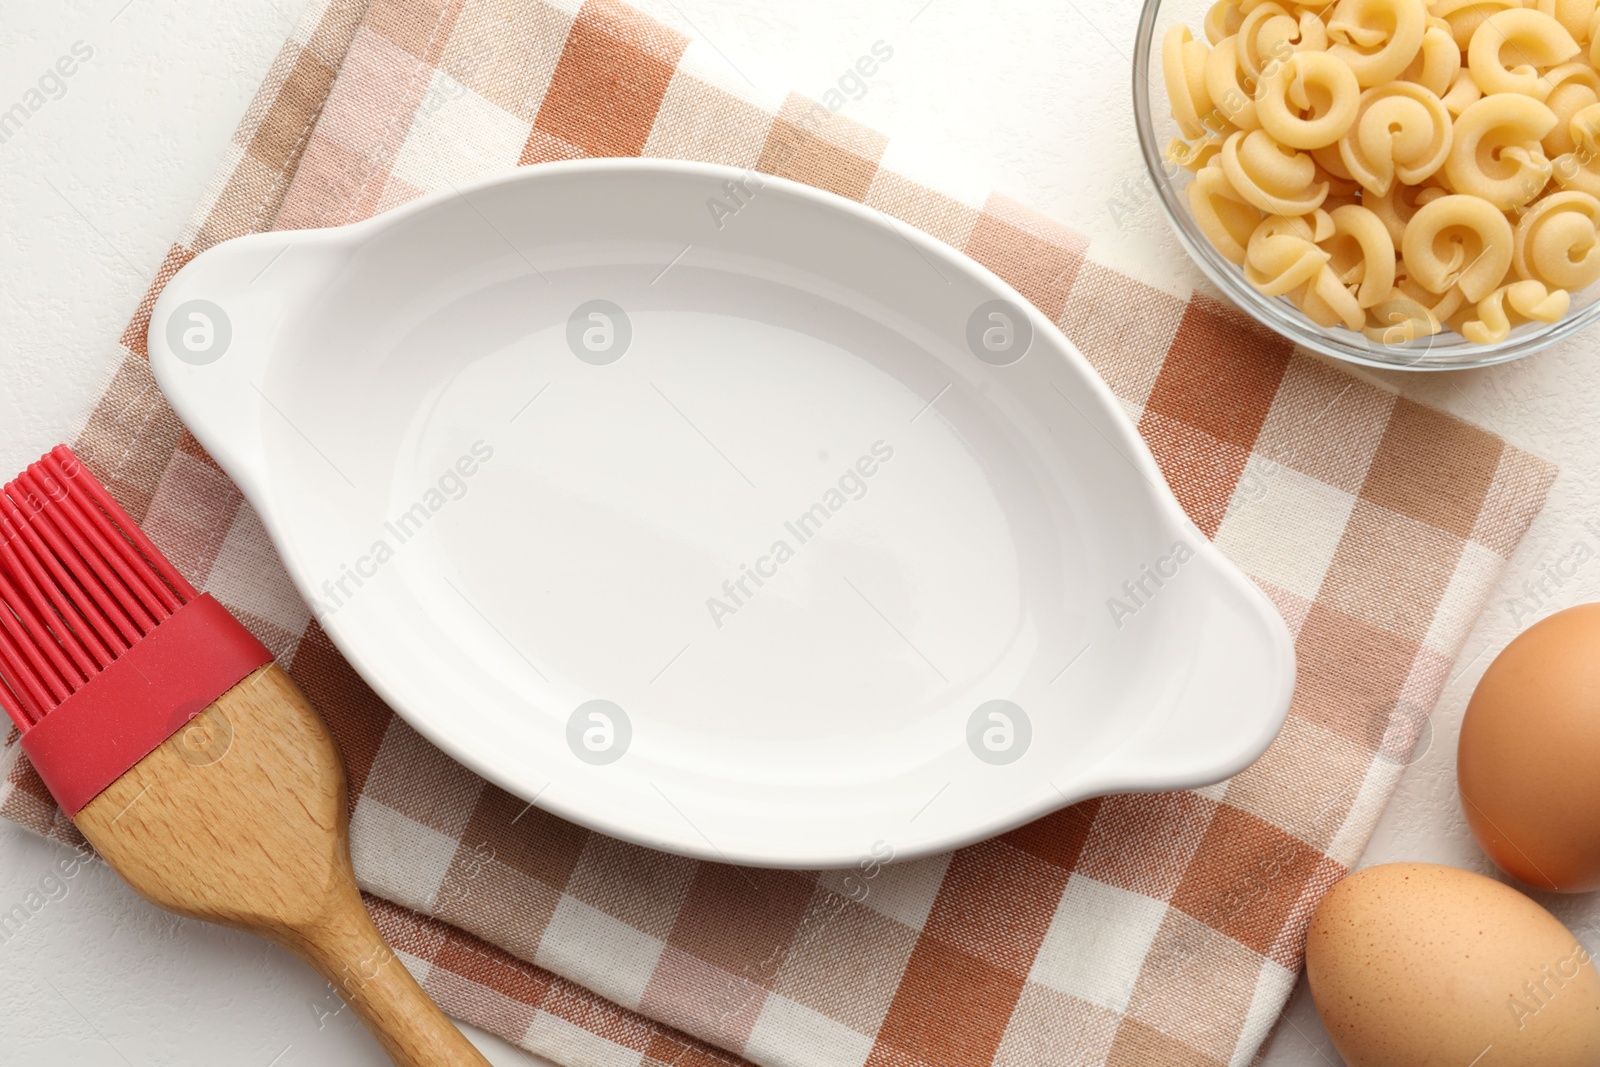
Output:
x,y
1556,241
1463,92
1531,40
1397,167
1361,253
1574,15
1282,255
1497,154
1438,62
1183,64
1225,219
1273,177
1522,301
1401,131
1224,84
1580,168
1465,16
1192,155
1270,34
1223,20
1309,101
1377,38
1458,242
1574,86
1396,207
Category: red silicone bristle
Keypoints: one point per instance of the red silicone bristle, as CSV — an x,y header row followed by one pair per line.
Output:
x,y
80,584
24,609
130,566
102,573
90,571
31,559
21,660
36,605
69,467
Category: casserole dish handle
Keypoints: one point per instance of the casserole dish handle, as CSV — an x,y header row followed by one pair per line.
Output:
x,y
214,326
1229,703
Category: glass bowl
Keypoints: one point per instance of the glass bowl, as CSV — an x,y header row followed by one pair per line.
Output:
x,y
1442,351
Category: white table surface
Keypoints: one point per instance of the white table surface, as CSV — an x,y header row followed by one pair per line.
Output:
x,y
97,182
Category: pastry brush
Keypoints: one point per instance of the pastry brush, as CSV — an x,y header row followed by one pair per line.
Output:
x,y
187,757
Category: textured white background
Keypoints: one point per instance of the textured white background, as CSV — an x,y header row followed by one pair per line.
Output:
x,y
1032,97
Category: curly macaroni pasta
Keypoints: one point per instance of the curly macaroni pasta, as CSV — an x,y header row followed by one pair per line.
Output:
x,y
1580,168
1223,20
1438,62
1556,241
1574,15
1223,216
1282,255
1497,153
1361,253
1458,242
1522,301
1573,87
1465,16
1276,179
1462,94
1377,38
1270,34
1183,65
1531,41
1401,131
1396,167
1309,101
1224,79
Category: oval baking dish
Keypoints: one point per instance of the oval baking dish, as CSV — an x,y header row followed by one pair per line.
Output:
x,y
720,514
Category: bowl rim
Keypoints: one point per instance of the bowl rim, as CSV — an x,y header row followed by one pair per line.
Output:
x,y
1275,313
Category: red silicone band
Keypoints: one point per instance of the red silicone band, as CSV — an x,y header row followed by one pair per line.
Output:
x,y
123,713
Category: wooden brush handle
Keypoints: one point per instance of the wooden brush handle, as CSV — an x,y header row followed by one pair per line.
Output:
x,y
240,818
348,951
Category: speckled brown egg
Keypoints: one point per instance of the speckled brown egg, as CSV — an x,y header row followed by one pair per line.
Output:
x,y
1530,747
1416,965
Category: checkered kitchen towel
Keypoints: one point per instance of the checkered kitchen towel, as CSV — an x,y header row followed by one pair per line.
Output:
x,y
1153,929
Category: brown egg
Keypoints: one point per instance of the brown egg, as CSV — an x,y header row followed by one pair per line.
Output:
x,y
1415,965
1529,753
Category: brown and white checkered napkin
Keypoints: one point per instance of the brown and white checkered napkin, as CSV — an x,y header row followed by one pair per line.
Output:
x,y
1153,929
